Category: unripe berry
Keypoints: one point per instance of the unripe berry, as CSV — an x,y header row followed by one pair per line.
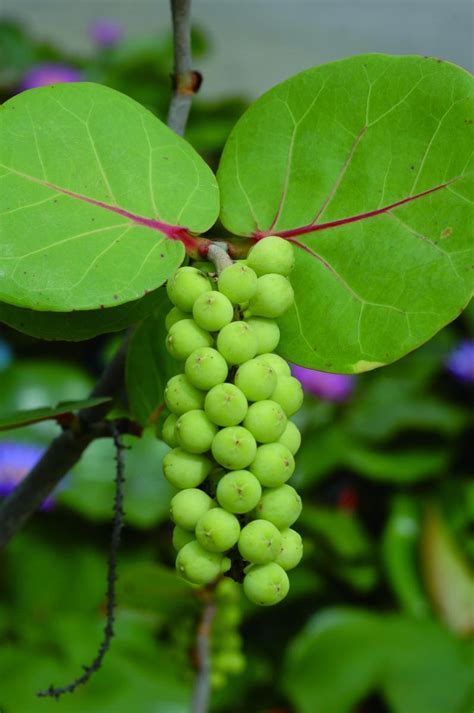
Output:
x,y
267,331
289,394
217,530
185,470
238,491
274,296
197,565
291,438
226,405
188,506
195,432
259,542
265,420
234,447
272,255
237,342
181,396
266,584
279,365
229,662
206,368
281,506
273,465
176,315
291,549
185,286
212,311
184,337
181,537
238,282
257,379
168,433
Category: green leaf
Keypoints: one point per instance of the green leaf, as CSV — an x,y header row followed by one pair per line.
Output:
x,y
366,164
150,587
108,189
149,366
78,326
406,466
449,578
16,419
344,655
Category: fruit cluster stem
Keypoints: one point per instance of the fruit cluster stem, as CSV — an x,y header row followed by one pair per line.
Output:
x,y
218,255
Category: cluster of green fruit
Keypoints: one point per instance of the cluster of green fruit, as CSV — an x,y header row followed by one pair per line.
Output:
x,y
228,427
227,658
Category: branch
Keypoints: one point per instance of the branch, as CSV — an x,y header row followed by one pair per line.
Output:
x,y
218,255
186,82
52,691
200,703
64,452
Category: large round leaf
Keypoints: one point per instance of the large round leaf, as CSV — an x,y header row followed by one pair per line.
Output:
x,y
94,194
367,165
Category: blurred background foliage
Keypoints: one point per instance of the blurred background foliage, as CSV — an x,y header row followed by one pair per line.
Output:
x,y
380,616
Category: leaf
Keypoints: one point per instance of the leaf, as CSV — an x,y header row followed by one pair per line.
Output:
x,y
365,164
149,366
16,419
95,194
406,466
77,326
343,655
448,577
149,587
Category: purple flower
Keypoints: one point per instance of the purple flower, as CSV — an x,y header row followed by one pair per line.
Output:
x,y
333,387
41,75
460,361
106,32
16,460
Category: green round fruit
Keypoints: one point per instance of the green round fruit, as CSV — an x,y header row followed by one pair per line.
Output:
x,y
226,405
291,549
291,438
238,282
259,542
185,337
197,565
181,537
217,530
238,491
229,662
272,254
265,420
185,470
181,396
267,331
274,296
266,584
281,506
168,433
213,310
256,379
185,286
206,368
176,315
228,591
273,465
279,365
234,447
195,432
289,394
237,342
188,506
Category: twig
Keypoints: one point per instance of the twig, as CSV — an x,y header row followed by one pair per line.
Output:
x,y
201,694
186,82
56,692
218,255
64,452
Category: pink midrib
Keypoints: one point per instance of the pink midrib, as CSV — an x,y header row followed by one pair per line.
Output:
x,y
313,228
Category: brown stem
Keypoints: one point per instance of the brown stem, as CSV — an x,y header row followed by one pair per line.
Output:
x,y
185,82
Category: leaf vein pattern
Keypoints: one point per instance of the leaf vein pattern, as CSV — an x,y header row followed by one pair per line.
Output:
x,y
150,169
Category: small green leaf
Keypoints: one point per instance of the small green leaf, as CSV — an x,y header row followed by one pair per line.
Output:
x,y
149,587
96,192
365,164
406,466
149,366
16,419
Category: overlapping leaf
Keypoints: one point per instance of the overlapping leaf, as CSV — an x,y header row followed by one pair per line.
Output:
x,y
94,192
367,165
17,419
